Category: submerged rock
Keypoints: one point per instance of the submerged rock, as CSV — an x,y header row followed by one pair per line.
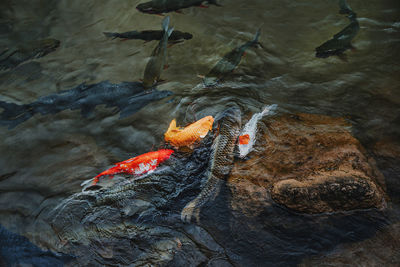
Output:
x,y
311,164
137,222
16,250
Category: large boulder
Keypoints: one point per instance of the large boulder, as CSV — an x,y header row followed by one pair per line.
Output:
x,y
310,164
136,220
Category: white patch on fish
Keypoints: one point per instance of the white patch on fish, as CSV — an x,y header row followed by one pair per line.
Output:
x,y
251,129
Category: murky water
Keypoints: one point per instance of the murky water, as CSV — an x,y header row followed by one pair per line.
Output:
x,y
46,158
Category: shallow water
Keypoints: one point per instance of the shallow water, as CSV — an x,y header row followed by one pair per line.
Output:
x,y
46,158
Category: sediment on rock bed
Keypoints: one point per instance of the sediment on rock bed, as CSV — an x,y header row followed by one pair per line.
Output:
x,y
312,164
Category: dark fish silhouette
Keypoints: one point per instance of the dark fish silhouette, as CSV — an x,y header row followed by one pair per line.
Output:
x,y
229,62
164,6
151,35
12,57
342,40
158,58
127,97
16,250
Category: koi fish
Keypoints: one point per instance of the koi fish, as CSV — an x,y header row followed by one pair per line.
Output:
x,y
342,40
187,136
11,58
221,160
247,136
229,62
137,165
164,6
158,59
150,35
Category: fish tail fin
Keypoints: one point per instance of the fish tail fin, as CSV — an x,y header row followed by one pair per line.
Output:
x,y
344,7
269,110
165,23
110,34
172,126
110,172
256,36
14,114
170,30
213,2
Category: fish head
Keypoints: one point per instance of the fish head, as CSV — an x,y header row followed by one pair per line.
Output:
x,y
232,116
210,81
187,36
147,8
49,44
244,139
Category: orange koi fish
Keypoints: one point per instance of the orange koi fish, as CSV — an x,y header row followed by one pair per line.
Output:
x,y
137,165
187,136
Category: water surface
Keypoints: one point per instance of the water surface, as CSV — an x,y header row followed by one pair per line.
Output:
x,y
46,158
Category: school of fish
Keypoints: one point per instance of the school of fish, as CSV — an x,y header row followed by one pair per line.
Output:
x,y
229,133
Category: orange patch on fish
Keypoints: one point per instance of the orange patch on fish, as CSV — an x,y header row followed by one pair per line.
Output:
x,y
244,139
137,165
187,136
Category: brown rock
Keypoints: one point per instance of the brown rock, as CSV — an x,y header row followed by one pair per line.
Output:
x,y
309,163
388,148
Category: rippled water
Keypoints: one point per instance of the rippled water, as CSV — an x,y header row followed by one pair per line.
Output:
x,y
46,158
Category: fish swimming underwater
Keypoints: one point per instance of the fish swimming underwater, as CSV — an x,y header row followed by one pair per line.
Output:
x,y
229,62
247,136
137,165
164,6
158,59
128,97
342,40
221,162
12,57
151,35
189,135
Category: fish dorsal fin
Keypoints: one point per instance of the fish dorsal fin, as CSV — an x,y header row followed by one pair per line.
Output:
x,y
172,126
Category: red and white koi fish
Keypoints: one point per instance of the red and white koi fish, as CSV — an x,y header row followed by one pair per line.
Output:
x,y
137,165
247,136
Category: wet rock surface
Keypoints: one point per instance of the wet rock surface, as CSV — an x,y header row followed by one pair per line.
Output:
x,y
312,164
137,221
359,253
17,250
